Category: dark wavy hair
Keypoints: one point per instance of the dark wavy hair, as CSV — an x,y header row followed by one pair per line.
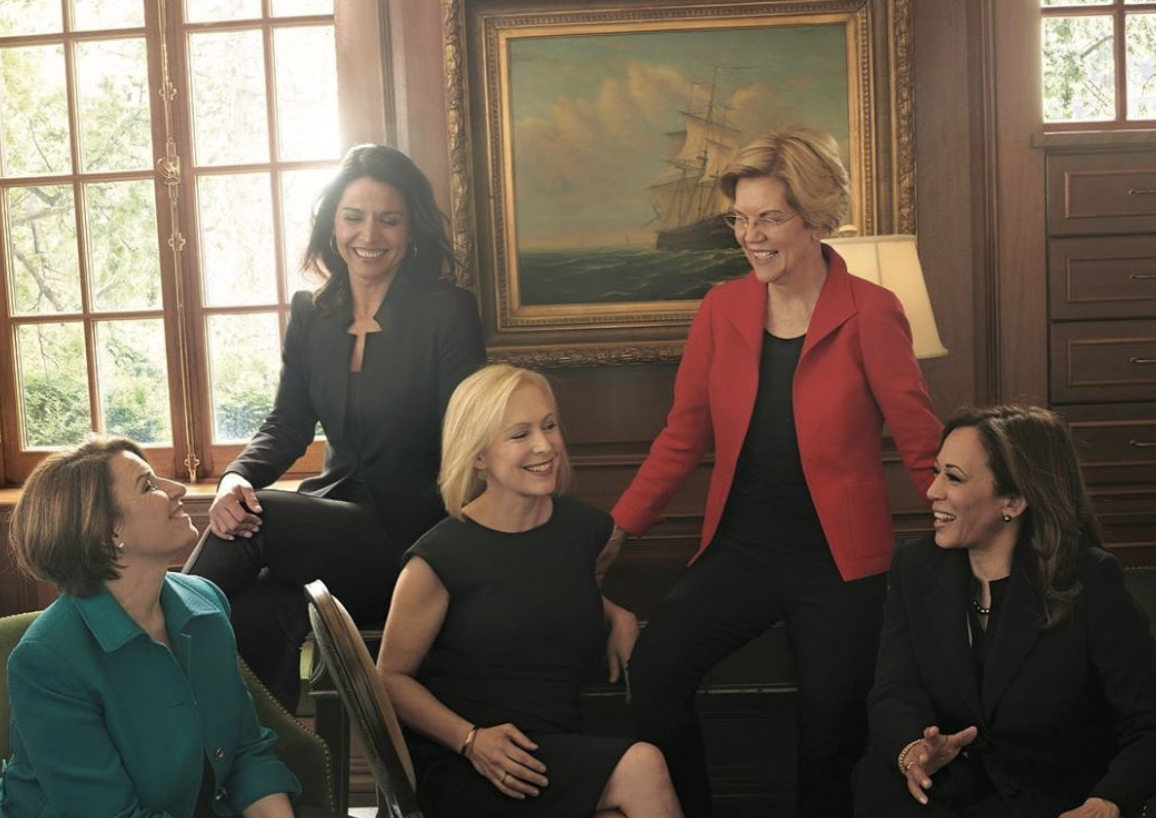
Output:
x,y
431,257
1031,455
62,529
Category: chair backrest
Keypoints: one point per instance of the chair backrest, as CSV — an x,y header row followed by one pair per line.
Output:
x,y
12,629
301,750
361,690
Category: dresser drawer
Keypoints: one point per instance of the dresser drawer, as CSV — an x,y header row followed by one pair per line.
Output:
x,y
1098,361
1102,193
1102,277
1116,442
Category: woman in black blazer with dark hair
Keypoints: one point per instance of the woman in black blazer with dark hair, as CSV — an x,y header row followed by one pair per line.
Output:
x,y
373,355
1016,676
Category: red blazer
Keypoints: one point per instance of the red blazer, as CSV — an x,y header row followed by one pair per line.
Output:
x,y
857,369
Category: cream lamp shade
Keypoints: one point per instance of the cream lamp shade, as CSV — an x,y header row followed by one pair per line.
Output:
x,y
892,261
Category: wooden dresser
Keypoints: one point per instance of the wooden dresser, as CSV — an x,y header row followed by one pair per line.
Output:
x,y
1101,221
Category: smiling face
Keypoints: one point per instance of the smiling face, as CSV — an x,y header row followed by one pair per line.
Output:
x,y
523,461
152,517
773,252
968,513
371,229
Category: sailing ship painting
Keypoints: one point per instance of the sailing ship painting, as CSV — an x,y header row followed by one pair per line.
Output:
x,y
615,149
687,202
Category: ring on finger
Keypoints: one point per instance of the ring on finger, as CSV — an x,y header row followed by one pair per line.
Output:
x,y
505,775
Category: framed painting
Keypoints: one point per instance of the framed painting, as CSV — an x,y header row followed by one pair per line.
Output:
x,y
586,139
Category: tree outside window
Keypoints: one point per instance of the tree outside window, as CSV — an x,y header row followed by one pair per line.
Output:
x,y
158,164
1099,64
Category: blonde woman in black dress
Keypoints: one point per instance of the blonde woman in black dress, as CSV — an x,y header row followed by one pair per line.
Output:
x,y
494,619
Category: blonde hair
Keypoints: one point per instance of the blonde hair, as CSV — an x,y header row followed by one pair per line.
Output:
x,y
473,420
62,530
807,162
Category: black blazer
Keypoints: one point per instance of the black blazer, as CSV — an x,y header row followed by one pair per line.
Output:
x,y
430,340
1063,714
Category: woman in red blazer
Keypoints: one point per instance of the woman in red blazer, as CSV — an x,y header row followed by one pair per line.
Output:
x,y
789,374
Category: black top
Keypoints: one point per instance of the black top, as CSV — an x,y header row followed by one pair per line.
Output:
x,y
430,340
984,628
769,497
524,618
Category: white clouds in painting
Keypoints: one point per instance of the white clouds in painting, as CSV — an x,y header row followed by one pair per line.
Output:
x,y
590,118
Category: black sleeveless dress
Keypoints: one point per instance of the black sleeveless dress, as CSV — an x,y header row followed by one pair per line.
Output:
x,y
523,628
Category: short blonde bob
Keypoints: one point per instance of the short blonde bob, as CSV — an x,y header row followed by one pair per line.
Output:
x,y
63,528
807,162
473,420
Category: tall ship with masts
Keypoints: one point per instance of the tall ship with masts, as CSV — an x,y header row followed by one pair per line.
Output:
x,y
687,203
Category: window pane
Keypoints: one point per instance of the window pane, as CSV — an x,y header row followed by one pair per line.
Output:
x,y
53,384
133,380
29,17
1079,71
306,71
113,90
1047,3
288,8
236,238
299,190
1140,37
43,268
228,93
33,111
90,15
244,361
122,245
206,11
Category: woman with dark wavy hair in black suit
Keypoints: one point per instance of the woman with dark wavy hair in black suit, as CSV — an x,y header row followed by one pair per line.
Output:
x,y
1016,676
373,356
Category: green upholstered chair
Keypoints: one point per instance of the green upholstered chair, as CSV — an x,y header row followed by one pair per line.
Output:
x,y
302,751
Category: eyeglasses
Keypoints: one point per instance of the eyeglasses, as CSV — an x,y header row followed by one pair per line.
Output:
x,y
763,223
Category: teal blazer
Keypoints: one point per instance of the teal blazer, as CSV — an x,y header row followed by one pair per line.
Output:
x,y
108,722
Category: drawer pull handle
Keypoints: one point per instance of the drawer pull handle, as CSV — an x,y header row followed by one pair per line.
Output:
x,y
1141,361
1142,191
1142,276
1142,444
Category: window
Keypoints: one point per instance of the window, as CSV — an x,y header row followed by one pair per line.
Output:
x,y
158,164
1099,63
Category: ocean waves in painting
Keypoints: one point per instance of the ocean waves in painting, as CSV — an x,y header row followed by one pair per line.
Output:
x,y
622,274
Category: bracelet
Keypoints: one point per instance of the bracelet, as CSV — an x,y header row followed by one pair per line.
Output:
x,y
469,742
902,760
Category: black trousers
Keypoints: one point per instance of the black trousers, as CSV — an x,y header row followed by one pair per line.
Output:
x,y
733,593
302,538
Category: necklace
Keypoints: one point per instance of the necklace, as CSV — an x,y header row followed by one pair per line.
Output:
x,y
979,609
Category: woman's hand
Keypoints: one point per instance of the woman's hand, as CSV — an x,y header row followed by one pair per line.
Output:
x,y
934,752
1093,808
235,508
620,642
501,755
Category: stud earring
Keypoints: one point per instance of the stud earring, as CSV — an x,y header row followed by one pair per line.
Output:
x,y
120,546
1007,518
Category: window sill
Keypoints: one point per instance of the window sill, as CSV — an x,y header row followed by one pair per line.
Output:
x,y
202,491
1094,139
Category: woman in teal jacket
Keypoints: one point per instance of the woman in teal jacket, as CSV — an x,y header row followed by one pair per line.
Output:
x,y
126,695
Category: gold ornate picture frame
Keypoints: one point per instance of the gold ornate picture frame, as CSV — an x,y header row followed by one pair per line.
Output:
x,y
585,139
